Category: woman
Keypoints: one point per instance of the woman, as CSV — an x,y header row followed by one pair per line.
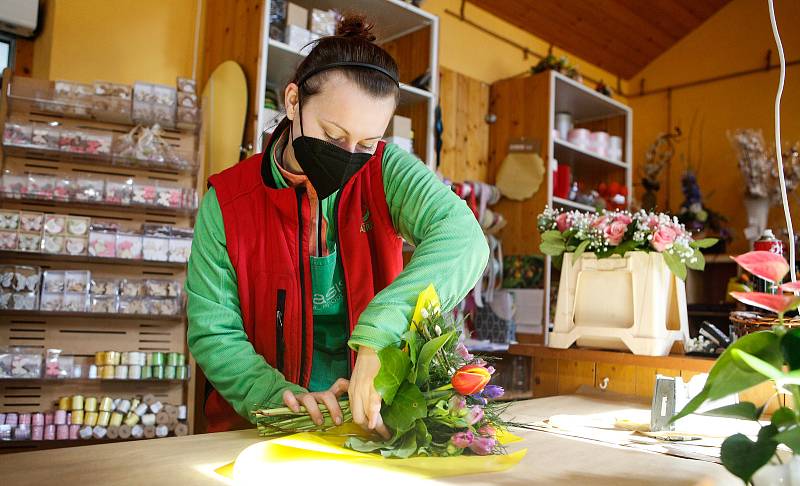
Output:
x,y
297,256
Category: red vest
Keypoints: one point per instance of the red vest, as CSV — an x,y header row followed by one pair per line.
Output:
x,y
267,235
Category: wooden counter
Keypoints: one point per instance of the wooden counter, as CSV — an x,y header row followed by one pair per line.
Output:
x,y
551,459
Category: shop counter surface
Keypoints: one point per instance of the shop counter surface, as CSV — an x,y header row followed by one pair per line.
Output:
x,y
551,459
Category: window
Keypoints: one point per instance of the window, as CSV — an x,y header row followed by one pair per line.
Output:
x,y
6,52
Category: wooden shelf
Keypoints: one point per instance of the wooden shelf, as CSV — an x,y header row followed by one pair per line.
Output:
x,y
39,258
283,59
584,103
88,315
12,446
572,204
571,152
673,361
53,205
82,381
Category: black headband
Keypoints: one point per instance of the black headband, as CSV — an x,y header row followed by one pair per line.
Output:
x,y
334,65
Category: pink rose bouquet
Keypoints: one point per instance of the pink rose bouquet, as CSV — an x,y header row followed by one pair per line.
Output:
x,y
609,233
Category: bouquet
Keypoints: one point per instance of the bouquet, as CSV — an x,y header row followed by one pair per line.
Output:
x,y
608,233
437,400
759,166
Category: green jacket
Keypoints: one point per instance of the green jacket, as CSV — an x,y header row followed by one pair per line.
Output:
x,y
451,253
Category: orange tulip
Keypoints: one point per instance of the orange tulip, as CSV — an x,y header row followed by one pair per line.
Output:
x,y
470,379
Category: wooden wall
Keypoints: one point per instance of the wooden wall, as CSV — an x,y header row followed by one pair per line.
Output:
x,y
465,140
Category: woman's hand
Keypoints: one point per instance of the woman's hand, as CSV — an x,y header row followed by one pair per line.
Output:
x,y
310,400
365,402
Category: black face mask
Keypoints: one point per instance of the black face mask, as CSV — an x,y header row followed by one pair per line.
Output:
x,y
327,166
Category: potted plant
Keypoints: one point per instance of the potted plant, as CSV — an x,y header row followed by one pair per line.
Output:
x,y
751,360
604,256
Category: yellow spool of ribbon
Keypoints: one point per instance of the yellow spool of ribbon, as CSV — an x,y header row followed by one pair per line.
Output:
x,y
106,404
90,419
77,402
116,419
77,417
90,404
64,403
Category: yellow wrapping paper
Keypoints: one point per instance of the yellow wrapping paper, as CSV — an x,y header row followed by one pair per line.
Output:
x,y
427,298
325,454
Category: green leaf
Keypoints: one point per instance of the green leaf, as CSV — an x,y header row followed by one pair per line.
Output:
x,y
404,448
408,406
551,248
699,263
790,346
790,437
411,339
429,350
553,236
783,416
675,265
424,437
743,457
395,365
729,376
743,410
576,257
625,247
757,364
363,445
704,243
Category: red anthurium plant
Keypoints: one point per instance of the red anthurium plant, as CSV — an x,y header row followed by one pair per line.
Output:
x,y
752,359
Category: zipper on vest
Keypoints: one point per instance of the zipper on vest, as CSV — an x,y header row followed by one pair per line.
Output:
x,y
280,311
340,252
300,233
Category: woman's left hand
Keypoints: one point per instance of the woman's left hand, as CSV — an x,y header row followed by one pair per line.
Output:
x,y
365,401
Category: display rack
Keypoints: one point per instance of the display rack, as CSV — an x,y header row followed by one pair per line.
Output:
x,y
83,334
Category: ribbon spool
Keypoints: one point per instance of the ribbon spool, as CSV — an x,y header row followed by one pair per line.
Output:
x,y
62,432
92,372
141,409
50,432
149,431
77,417
148,419
155,359
181,430
124,406
106,372
90,405
99,432
85,432
64,403
181,373
106,404
172,411
60,417
37,432
73,431
121,372
149,399
116,419
158,372
100,358
134,372
182,412
173,360
90,419
36,419
77,402
103,418
169,372
124,431
137,431
135,403
162,418
156,407
162,431
112,432
131,419
24,419
147,372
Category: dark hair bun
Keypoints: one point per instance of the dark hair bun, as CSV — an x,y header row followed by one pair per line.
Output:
x,y
355,26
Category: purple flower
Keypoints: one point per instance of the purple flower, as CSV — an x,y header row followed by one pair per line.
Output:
x,y
479,362
479,398
457,403
490,369
474,415
462,439
463,352
482,446
493,391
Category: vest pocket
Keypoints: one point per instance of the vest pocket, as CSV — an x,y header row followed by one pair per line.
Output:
x,y
280,313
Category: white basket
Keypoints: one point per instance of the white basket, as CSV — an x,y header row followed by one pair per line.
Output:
x,y
625,303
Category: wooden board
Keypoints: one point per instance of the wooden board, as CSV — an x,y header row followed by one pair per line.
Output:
x,y
573,373
465,140
544,377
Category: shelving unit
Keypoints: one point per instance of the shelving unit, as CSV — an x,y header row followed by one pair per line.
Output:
x,y
399,28
526,108
82,334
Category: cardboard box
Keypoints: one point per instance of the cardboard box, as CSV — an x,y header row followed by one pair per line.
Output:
x,y
296,15
399,126
323,22
297,37
402,142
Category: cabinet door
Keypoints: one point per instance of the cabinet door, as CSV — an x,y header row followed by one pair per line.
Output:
x,y
761,394
545,377
572,374
616,378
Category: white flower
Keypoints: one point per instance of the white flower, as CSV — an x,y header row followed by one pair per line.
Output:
x,y
424,314
437,330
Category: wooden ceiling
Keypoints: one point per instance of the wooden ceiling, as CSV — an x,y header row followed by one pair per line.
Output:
x,y
620,36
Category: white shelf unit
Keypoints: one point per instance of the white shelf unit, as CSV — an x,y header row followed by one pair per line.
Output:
x,y
589,109
392,18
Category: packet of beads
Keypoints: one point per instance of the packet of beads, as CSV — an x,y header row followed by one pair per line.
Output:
x,y
15,186
150,146
77,281
104,286
53,244
31,222
78,225
89,188
145,193
45,137
155,242
51,302
103,239
75,302
119,190
162,287
86,143
57,365
25,301
180,244
124,146
112,102
64,189
163,306
20,278
74,98
189,199
9,219
41,186
17,134
8,240
54,224
106,304
186,85
169,195
53,281
129,245
20,363
133,305
130,287
30,242
76,245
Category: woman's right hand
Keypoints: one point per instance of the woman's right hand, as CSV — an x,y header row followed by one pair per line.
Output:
x,y
311,400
